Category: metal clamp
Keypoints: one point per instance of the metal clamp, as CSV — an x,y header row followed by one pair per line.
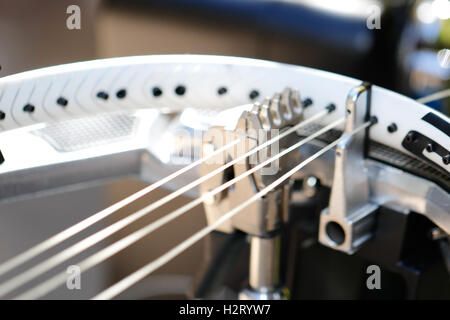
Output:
x,y
263,218
254,127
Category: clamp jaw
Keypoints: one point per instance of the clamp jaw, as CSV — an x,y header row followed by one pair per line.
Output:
x,y
263,122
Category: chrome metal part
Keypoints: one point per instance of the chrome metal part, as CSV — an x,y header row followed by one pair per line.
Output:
x,y
250,294
388,186
265,215
264,273
348,221
260,124
265,262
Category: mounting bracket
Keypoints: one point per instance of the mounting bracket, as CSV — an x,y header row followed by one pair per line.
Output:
x,y
348,221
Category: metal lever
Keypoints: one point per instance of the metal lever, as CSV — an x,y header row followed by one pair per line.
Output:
x,y
348,221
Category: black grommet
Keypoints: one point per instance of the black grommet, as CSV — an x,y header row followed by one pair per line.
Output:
x,y
28,108
221,91
121,93
392,128
102,95
156,91
62,101
431,147
2,115
446,159
180,90
410,137
307,102
373,120
331,107
253,94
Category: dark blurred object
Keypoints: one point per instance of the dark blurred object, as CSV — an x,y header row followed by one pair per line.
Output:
x,y
335,35
424,55
336,24
338,36
330,35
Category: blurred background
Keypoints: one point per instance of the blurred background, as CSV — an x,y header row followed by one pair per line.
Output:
x,y
398,44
